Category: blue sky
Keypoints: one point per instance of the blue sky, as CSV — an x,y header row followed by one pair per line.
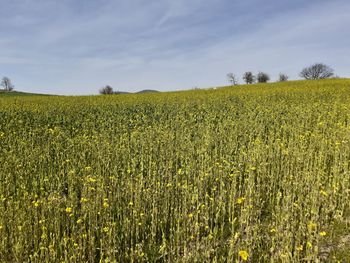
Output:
x,y
76,47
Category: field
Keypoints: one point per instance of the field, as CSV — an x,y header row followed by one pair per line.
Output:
x,y
256,173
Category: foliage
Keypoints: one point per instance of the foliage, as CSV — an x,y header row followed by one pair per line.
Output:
x,y
248,77
258,174
107,90
317,71
262,77
232,79
7,84
283,77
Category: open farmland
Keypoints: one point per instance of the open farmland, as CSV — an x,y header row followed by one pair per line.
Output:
x,y
256,173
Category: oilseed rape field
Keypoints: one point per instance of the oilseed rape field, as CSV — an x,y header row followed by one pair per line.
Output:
x,y
252,173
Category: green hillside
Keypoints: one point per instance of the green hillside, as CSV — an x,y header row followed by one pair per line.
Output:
x,y
255,173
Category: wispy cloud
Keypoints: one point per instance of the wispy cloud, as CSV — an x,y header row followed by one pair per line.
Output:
x,y
70,47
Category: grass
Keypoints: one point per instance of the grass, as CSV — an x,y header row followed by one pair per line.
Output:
x,y
255,173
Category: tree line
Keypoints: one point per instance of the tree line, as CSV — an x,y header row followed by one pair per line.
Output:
x,y
313,72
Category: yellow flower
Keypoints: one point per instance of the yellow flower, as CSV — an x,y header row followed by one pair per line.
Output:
x,y
105,204
69,210
308,244
311,225
91,179
79,221
243,255
88,169
105,229
324,193
323,233
190,215
240,200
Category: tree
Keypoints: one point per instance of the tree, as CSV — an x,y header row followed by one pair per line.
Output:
x,y
248,77
232,79
6,84
317,71
107,90
263,77
283,77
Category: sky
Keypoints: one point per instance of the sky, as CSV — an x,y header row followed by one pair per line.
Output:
x,y
72,47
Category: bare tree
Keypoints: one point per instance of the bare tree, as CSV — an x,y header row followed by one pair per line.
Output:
x,y
6,84
249,77
283,77
232,79
263,77
107,90
317,71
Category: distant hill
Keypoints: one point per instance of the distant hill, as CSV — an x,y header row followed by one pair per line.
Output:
x,y
147,91
138,92
20,93
121,92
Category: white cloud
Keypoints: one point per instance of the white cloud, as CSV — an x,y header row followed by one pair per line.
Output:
x,y
136,44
